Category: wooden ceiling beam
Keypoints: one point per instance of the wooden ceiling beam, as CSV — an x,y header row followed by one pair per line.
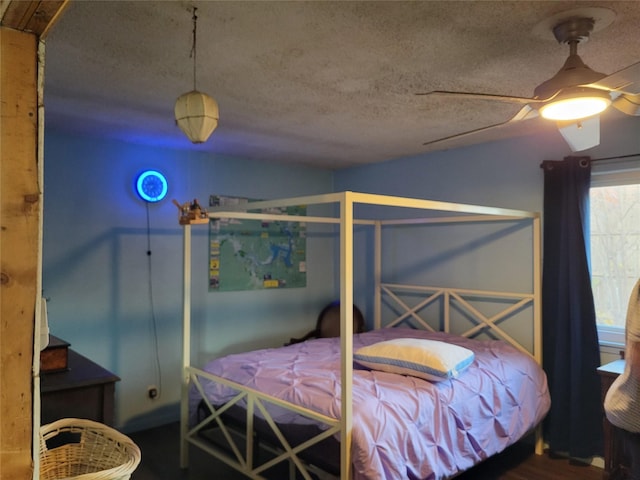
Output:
x,y
33,16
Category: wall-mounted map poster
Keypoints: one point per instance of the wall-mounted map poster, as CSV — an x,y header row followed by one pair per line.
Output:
x,y
256,254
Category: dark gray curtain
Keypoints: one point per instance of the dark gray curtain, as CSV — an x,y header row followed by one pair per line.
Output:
x,y
570,341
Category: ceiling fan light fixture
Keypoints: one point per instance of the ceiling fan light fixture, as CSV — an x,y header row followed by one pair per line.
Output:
x,y
576,106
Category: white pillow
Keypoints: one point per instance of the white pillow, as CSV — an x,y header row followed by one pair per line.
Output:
x,y
428,359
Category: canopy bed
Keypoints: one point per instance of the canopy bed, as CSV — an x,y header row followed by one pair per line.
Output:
x,y
417,402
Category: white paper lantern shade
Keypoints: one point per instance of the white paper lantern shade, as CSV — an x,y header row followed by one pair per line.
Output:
x,y
197,115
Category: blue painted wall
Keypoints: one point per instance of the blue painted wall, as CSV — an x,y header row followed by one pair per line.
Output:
x,y
95,266
502,174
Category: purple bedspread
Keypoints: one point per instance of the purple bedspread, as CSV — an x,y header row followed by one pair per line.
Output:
x,y
403,427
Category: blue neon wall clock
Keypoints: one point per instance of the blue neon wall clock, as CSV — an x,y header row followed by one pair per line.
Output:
x,y
151,186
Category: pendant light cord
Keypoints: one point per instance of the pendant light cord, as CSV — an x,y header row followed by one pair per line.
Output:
x,y
193,47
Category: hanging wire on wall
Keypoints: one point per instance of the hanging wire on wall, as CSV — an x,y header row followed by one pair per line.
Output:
x,y
153,320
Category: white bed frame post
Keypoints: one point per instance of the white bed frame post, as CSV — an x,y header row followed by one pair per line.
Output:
x,y
537,289
377,273
346,327
537,312
186,346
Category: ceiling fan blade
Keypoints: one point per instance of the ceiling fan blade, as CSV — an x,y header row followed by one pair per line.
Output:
x,y
629,104
484,96
626,81
525,113
581,135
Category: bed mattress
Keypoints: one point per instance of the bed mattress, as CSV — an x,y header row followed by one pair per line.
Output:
x,y
403,427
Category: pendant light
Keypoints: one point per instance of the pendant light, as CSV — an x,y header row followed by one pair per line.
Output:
x,y
196,112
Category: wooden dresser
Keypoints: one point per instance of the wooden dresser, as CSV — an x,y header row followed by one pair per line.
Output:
x,y
82,390
616,464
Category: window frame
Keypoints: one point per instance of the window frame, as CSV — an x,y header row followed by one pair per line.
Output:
x,y
609,173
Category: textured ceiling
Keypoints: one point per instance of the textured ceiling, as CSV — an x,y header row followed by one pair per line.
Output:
x,y
328,83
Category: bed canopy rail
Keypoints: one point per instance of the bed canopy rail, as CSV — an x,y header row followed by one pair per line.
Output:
x,y
353,198
344,217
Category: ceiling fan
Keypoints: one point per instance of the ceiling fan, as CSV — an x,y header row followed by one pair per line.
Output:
x,y
573,97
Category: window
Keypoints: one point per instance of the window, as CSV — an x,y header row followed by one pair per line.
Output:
x,y
615,245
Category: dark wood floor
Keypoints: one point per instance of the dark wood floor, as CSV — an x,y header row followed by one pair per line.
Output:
x,y
160,461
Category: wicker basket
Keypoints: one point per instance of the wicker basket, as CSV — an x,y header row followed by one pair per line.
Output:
x,y
74,448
